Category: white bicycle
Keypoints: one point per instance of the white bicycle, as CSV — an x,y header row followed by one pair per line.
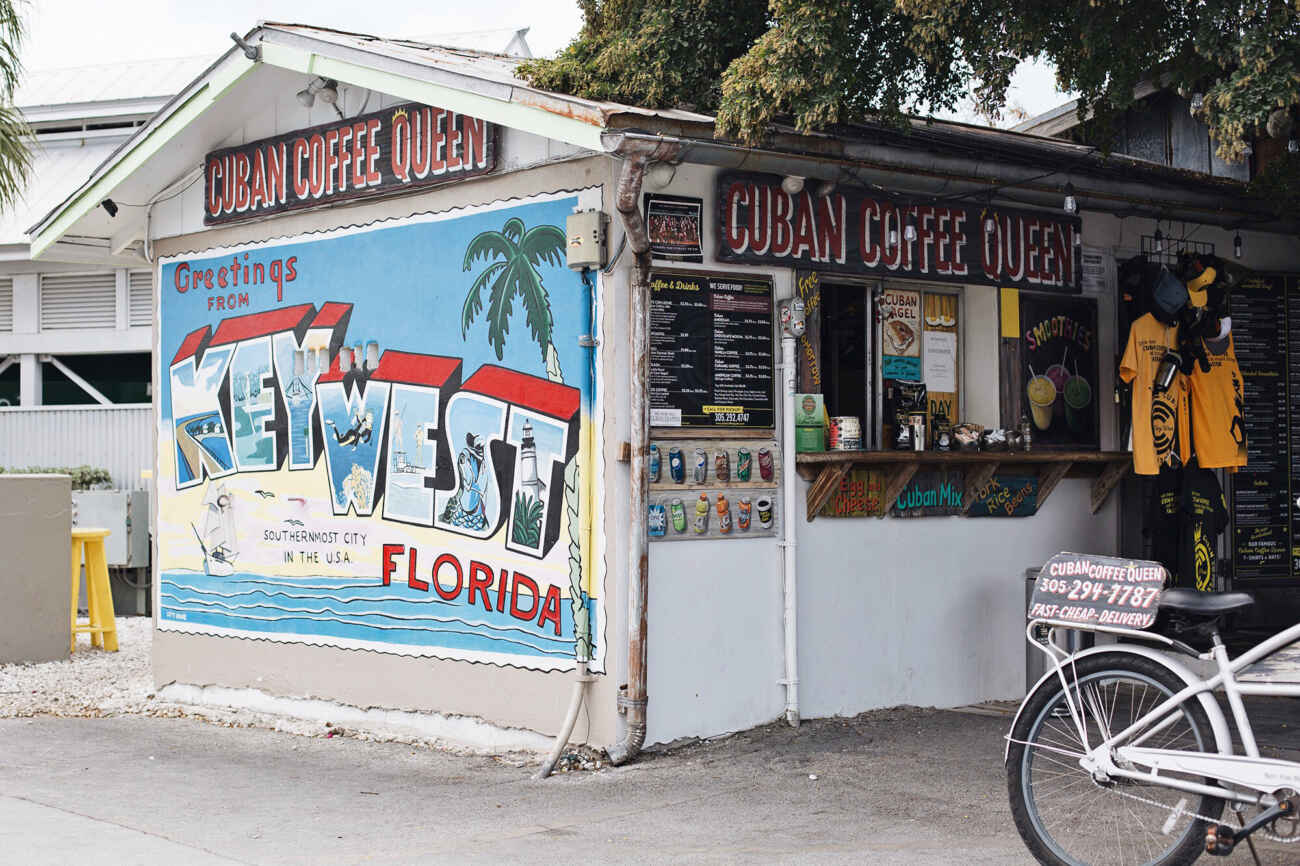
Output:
x,y
1121,754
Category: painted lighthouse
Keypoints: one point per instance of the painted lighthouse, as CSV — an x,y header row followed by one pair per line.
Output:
x,y
528,464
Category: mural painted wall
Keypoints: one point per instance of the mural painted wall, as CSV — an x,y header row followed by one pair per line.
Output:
x,y
378,438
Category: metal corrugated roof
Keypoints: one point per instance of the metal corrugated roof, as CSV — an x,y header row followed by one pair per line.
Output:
x,y
58,168
106,82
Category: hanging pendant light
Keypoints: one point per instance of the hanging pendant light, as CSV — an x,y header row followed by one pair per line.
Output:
x,y
1236,245
1159,239
1071,204
909,229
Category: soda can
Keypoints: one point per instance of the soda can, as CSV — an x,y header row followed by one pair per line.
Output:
x,y
724,514
701,466
701,514
744,465
676,465
658,520
677,512
764,507
765,465
743,512
654,463
722,466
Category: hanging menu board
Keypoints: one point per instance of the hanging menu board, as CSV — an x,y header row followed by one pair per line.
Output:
x,y
1058,364
711,350
1266,335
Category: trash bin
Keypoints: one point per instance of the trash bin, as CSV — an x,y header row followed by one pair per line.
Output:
x,y
1070,640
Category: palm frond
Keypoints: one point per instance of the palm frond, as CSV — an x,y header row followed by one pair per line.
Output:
x,y
498,311
486,245
527,282
12,33
474,300
543,244
15,155
513,229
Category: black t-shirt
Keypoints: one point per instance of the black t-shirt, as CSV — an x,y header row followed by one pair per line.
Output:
x,y
1204,516
1163,519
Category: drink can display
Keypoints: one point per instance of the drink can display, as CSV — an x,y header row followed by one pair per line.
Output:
x,y
654,463
724,514
658,519
765,465
701,473
701,514
743,511
677,512
744,465
764,507
722,466
676,465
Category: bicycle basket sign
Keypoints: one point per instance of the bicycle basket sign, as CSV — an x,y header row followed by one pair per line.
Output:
x,y
1088,591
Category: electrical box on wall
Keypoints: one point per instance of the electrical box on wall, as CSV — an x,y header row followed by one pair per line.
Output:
x,y
585,235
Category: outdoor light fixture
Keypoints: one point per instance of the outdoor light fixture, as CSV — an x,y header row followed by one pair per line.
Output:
x,y
990,224
1198,102
1236,245
825,188
327,89
109,205
1071,205
1159,238
1293,145
909,230
892,239
792,184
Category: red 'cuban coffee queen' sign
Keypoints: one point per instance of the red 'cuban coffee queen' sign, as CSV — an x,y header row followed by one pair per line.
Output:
x,y
401,148
861,231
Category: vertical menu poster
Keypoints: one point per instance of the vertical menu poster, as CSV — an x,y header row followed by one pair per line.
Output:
x,y
1058,369
1263,519
712,350
939,357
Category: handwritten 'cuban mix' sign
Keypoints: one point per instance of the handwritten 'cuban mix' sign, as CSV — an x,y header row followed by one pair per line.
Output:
x,y
849,230
400,148
1098,591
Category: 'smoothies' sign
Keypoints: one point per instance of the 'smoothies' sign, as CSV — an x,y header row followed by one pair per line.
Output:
x,y
860,231
404,147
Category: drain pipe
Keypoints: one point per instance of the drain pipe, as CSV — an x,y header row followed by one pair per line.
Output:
x,y
792,325
637,155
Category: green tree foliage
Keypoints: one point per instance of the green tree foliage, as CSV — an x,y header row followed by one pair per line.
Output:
x,y
821,62
15,137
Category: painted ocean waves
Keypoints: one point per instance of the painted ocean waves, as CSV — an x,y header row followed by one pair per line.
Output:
x,y
347,609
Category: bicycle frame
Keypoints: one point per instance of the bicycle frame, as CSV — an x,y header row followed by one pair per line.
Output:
x,y
1263,775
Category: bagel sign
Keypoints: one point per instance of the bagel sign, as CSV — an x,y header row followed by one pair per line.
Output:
x,y
405,147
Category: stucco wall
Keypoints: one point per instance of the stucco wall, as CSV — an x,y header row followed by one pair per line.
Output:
x,y
35,535
504,696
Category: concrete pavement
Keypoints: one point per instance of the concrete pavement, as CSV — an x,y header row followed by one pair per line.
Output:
x,y
902,786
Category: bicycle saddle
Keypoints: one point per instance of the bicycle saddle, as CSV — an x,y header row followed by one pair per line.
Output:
x,y
1205,603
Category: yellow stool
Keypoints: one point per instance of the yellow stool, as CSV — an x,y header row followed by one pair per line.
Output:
x,y
99,597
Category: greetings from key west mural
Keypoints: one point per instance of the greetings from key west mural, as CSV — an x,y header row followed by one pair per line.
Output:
x,y
376,438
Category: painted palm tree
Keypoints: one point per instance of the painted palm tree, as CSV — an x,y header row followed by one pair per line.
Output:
x,y
513,255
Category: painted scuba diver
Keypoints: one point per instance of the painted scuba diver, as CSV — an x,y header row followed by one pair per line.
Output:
x,y
466,508
358,432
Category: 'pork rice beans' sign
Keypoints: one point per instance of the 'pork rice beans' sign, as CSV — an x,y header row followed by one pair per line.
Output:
x,y
404,147
850,230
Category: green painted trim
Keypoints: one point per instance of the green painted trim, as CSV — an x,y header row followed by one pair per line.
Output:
x,y
521,117
89,196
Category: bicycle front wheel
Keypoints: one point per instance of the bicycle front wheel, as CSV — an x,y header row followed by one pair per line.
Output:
x,y
1069,818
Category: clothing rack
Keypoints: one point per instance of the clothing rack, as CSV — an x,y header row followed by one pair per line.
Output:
x,y
1172,248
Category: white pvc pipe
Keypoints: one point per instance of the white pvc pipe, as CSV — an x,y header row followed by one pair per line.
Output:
x,y
570,719
789,524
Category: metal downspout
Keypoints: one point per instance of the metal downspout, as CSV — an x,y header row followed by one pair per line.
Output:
x,y
637,156
789,564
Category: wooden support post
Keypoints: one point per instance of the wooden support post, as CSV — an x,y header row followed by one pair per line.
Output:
x,y
976,477
1048,477
894,485
828,481
1106,482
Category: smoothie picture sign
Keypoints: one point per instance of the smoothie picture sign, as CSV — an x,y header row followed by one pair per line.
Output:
x,y
1058,369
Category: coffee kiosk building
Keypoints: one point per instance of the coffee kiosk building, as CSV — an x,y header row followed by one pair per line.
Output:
x,y
463,388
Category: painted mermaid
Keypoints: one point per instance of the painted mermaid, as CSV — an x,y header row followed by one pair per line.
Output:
x,y
466,508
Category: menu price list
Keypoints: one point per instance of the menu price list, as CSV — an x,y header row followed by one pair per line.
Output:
x,y
1266,335
711,350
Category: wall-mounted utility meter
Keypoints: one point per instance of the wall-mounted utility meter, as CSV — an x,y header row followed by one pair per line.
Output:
x,y
585,235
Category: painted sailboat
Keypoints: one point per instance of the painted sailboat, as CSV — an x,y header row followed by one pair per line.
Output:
x,y
217,537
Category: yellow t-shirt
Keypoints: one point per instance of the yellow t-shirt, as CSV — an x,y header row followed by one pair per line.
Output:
x,y
1218,429
1160,424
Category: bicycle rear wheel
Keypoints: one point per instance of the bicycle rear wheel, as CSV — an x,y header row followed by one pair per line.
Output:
x,y
1065,816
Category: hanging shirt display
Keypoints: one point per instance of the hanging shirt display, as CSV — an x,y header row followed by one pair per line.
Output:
x,y
1218,430
1160,423
1205,514
1163,516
